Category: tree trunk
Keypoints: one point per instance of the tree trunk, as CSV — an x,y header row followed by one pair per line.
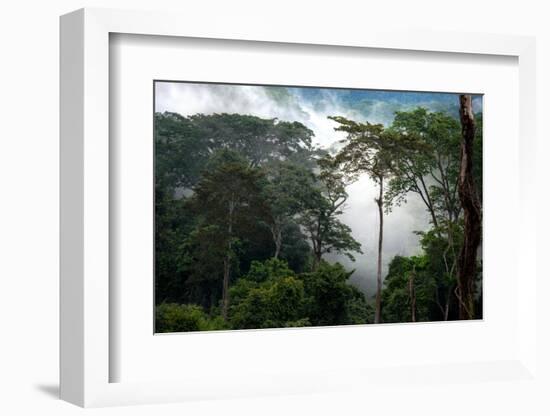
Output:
x,y
429,203
227,262
278,244
412,297
317,246
277,239
447,304
317,255
467,260
380,202
225,294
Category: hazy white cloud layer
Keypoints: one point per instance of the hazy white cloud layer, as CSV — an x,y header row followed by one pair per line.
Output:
x,y
312,107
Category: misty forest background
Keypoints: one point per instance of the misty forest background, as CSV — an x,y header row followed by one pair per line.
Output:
x,y
250,230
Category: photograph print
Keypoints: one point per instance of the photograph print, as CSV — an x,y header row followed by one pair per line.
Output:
x,y
289,206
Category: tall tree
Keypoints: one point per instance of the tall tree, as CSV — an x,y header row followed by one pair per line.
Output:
x,y
288,189
322,209
428,166
467,264
368,150
436,249
229,189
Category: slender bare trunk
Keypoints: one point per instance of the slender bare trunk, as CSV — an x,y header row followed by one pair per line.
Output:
x,y
380,202
278,244
277,238
447,304
467,262
412,296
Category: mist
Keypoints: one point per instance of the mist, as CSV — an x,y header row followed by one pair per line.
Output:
x,y
312,106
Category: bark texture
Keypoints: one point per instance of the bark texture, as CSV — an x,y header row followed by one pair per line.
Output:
x,y
380,203
467,261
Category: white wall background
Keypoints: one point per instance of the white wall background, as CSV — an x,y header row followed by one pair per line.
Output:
x,y
29,205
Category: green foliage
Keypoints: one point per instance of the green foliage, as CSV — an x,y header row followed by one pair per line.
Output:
x,y
268,296
358,310
368,149
257,140
434,280
288,188
331,299
271,295
175,137
173,222
428,161
397,295
442,247
228,184
200,261
269,269
171,317
286,191
324,205
277,302
295,249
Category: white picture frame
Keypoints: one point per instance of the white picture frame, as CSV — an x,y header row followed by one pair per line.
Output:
x,y
85,355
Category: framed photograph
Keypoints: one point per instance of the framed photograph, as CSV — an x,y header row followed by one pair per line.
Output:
x,y
281,213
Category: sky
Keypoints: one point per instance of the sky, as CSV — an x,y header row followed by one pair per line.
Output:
x,y
312,106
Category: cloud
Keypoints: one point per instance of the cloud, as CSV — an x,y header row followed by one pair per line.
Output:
x,y
312,106
266,102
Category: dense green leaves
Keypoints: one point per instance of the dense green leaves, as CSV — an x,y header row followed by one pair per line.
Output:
x,y
184,144
275,303
270,269
332,300
272,295
171,317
